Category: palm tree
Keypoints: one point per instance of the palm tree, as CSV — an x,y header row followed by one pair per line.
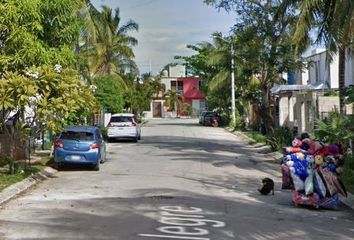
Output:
x,y
157,87
174,100
108,45
334,21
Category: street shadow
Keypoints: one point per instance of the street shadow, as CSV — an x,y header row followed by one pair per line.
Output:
x,y
126,218
217,152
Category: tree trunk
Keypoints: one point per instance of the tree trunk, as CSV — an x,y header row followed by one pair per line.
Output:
x,y
341,80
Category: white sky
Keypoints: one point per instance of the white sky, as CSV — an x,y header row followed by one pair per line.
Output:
x,y
167,26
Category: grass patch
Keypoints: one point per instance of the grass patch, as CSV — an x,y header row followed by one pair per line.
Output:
x,y
256,136
9,179
21,172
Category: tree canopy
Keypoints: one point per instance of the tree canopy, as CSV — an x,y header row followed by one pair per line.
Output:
x,y
37,38
263,50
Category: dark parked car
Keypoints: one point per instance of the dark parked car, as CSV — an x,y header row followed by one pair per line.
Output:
x,y
206,118
80,145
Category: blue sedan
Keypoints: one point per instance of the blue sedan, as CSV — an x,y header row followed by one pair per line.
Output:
x,y
80,145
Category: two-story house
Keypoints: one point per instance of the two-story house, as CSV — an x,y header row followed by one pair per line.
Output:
x,y
308,93
188,89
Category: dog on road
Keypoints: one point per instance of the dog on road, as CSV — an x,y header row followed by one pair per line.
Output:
x,y
267,187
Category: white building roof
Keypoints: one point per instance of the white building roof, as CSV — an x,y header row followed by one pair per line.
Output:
x,y
276,89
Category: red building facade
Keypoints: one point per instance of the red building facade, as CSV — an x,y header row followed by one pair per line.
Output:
x,y
190,89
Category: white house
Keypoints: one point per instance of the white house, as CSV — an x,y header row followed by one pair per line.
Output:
x,y
307,98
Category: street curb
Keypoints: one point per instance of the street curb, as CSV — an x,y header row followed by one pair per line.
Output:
x,y
14,190
261,147
348,201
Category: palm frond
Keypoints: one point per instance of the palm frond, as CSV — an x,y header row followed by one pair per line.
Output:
x,y
221,79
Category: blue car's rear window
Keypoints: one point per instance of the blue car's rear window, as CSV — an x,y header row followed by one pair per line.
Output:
x,y
72,135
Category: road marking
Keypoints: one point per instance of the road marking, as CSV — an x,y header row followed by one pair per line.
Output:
x,y
174,237
183,223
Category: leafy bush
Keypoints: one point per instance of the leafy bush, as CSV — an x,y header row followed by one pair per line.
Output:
x,y
279,138
224,119
348,174
239,122
256,136
331,94
104,133
337,129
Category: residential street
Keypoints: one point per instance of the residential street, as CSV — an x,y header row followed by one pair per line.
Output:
x,y
181,181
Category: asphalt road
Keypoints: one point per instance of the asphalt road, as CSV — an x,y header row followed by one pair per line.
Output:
x,y
181,181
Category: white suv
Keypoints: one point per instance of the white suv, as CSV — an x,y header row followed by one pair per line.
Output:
x,y
123,125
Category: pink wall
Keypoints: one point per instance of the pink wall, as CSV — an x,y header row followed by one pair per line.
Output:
x,y
191,89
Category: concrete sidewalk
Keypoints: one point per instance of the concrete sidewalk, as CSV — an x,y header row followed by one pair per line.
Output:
x,y
262,148
20,187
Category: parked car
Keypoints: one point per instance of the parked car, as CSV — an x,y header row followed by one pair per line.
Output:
x,y
80,145
206,118
123,126
201,117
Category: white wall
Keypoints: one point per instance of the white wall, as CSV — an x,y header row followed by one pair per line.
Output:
x,y
106,119
177,71
349,69
328,72
319,69
334,72
167,82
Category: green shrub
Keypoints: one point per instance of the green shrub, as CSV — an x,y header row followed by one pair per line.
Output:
x,y
224,119
239,122
279,138
348,174
104,133
338,129
331,94
256,136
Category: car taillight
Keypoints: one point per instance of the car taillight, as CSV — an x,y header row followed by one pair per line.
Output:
x,y
95,146
58,144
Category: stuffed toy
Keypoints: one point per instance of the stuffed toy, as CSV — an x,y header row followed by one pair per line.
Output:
x,y
318,159
294,150
290,163
300,156
314,146
332,149
310,159
296,142
296,147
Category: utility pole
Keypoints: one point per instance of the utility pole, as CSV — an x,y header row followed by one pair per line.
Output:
x,y
233,107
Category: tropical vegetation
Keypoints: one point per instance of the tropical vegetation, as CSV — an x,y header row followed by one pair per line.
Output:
x,y
68,60
274,34
61,62
261,45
